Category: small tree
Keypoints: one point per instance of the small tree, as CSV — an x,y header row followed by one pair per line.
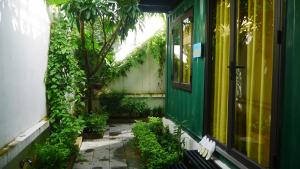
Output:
x,y
100,24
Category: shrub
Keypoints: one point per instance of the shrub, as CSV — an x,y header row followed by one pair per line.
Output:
x,y
118,105
170,142
134,106
68,133
155,125
50,156
111,102
151,151
96,123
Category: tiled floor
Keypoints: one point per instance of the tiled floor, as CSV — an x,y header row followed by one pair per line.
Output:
x,y
113,151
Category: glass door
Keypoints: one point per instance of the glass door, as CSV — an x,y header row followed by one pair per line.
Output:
x,y
253,82
220,72
241,76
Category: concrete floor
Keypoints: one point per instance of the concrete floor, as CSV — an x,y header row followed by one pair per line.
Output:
x,y
113,151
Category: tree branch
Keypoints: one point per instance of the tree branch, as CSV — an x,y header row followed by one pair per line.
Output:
x,y
105,48
83,50
93,41
103,28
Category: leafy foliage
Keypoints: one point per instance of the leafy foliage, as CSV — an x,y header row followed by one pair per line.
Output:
x,y
65,81
159,148
111,13
117,105
96,123
170,142
65,84
100,24
51,156
135,106
155,125
151,151
56,2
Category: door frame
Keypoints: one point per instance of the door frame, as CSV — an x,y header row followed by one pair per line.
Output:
x,y
277,84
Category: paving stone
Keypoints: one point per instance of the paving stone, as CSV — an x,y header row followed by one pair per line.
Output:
x,y
103,164
88,156
83,165
110,152
98,156
117,163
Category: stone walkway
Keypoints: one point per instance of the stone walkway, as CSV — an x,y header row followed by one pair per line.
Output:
x,y
113,151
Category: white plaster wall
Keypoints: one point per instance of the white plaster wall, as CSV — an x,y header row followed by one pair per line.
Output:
x,y
142,79
24,38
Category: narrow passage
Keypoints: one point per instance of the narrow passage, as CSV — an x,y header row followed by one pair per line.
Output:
x,y
114,151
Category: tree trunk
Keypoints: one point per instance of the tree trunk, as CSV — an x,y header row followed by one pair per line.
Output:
x,y
90,98
89,91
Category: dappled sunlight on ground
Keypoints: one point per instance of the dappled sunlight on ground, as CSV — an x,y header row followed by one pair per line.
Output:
x,y
115,150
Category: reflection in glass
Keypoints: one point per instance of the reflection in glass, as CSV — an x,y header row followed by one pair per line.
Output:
x,y
220,72
176,54
187,49
254,79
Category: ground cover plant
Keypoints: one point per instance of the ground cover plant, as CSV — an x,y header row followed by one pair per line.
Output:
x,y
151,139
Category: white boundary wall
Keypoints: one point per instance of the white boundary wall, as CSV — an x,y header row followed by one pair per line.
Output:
x,y
24,39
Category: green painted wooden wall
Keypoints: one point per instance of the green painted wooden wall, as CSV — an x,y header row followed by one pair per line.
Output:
x,y
290,142
183,105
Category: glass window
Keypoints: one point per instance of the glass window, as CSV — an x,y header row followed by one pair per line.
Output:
x,y
187,49
176,54
182,50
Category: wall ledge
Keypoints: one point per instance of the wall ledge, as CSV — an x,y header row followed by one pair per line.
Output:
x,y
145,95
11,150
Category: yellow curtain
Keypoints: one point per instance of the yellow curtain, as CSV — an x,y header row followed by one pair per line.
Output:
x,y
259,79
187,46
221,72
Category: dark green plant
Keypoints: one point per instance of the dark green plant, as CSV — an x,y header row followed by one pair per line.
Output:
x,y
96,123
178,141
155,125
156,112
111,102
170,142
65,81
117,104
65,87
134,106
152,152
50,156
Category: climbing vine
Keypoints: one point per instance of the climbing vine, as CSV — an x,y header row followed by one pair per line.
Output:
x,y
154,47
65,87
65,81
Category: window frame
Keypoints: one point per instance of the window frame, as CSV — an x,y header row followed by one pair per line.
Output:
x,y
228,151
179,20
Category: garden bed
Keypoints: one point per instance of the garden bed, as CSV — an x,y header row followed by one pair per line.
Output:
x,y
159,148
119,106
